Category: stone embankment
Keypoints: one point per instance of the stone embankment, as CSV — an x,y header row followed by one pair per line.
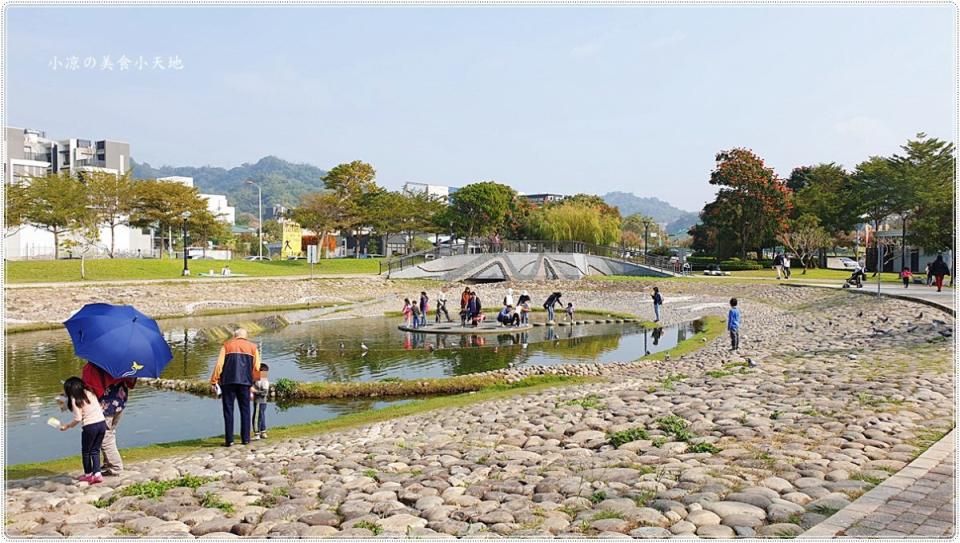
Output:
x,y
847,391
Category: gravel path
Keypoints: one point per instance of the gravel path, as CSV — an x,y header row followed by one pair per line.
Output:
x,y
708,447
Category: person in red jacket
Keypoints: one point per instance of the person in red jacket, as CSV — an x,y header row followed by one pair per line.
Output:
x,y
112,393
238,367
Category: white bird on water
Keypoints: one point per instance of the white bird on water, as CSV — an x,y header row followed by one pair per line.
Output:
x,y
364,346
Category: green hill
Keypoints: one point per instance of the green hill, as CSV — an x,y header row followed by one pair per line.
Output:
x,y
678,221
282,182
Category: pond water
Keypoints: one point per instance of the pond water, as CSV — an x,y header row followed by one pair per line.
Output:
x,y
37,362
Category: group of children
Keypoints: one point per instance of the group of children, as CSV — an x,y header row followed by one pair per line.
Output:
x,y
512,313
87,411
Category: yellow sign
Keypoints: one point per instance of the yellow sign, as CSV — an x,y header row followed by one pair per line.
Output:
x,y
291,242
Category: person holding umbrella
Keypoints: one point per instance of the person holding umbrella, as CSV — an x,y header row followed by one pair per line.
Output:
x,y
119,344
112,394
238,367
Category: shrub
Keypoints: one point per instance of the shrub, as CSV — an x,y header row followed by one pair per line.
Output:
x,y
675,425
626,436
284,387
703,448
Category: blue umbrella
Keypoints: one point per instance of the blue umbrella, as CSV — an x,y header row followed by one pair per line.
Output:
x,y
119,339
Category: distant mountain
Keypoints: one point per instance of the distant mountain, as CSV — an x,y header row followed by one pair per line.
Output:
x,y
282,182
678,221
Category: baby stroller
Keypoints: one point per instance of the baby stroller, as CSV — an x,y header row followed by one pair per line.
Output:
x,y
856,279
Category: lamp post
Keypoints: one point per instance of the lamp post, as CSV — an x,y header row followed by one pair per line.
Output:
x,y
260,223
186,267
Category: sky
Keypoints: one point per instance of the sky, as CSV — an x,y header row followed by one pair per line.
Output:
x,y
546,99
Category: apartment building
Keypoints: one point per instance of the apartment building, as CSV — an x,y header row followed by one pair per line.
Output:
x,y
30,153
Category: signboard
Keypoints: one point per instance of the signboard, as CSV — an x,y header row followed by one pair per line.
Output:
x,y
290,244
313,255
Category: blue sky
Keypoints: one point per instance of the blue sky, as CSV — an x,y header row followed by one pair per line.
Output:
x,y
546,99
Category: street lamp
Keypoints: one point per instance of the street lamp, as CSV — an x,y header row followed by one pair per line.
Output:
x,y
260,212
186,267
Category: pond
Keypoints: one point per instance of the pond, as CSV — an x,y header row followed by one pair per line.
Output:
x,y
37,362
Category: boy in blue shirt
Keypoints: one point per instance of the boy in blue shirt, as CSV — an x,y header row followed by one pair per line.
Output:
x,y
733,325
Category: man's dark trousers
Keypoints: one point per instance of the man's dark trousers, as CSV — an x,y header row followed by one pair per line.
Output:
x,y
240,394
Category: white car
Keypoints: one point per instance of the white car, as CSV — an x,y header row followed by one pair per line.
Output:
x,y
848,263
715,270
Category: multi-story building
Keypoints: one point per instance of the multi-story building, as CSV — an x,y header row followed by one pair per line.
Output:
x,y
543,198
30,153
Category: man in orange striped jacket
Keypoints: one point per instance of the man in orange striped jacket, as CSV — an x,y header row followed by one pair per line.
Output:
x,y
238,367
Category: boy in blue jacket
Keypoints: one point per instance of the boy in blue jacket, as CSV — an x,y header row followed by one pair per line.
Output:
x,y
733,325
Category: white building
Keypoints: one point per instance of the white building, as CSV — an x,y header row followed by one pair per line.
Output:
x,y
31,154
216,203
438,191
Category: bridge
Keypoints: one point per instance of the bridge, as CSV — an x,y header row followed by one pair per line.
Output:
x,y
523,260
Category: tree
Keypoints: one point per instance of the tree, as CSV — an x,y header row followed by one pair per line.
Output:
x,y
804,237
15,205
272,230
753,201
207,227
323,212
84,235
112,198
874,189
164,204
799,178
578,220
480,208
55,202
926,173
352,182
644,228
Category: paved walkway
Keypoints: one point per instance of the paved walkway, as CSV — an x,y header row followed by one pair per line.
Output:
x,y
922,293
916,502
193,278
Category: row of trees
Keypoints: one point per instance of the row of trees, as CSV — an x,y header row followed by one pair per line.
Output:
x,y
75,209
819,206
353,202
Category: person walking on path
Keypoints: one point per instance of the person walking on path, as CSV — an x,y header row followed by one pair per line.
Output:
x,y
657,302
786,266
929,274
83,404
238,367
112,394
733,325
552,301
939,269
442,305
778,264
905,275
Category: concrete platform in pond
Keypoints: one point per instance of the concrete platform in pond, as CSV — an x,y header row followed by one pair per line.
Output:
x,y
492,327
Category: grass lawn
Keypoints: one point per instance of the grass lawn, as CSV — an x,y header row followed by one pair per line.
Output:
x,y
40,271
713,327
816,274
160,450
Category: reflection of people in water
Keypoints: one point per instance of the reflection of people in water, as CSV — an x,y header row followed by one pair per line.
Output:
x,y
551,334
657,333
408,341
441,341
478,341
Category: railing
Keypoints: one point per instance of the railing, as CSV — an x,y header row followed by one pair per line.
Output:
x,y
661,263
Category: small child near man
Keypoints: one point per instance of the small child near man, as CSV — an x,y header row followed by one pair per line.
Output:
x,y
733,325
260,392
570,311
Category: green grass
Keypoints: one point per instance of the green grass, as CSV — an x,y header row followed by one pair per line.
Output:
x,y
213,501
156,489
626,436
590,401
675,425
713,327
813,274
372,526
106,269
704,448
160,450
601,515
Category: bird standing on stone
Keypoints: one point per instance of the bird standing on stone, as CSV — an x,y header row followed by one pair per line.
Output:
x,y
364,346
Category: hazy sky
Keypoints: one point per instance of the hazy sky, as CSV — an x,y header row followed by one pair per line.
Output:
x,y
546,99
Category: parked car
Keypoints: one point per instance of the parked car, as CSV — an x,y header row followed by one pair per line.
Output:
x,y
715,270
259,258
848,263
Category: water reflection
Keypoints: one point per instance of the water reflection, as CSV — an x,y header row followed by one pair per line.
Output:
x,y
37,362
